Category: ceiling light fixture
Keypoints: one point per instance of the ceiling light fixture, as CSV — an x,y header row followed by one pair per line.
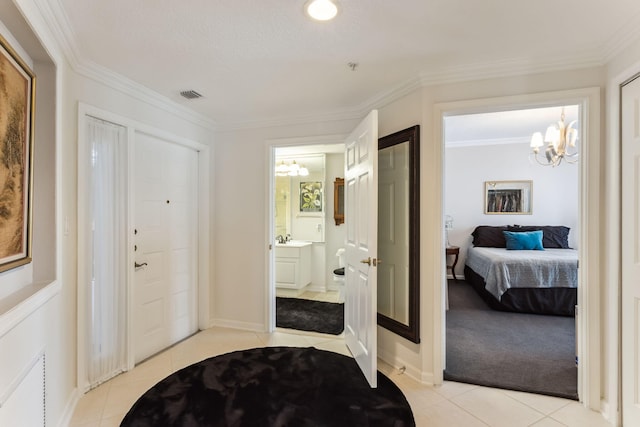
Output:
x,y
291,169
559,137
321,10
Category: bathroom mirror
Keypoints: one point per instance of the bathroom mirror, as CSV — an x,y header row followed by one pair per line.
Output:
x,y
398,232
299,196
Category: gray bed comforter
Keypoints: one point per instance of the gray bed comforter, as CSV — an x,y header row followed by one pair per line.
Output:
x,y
503,269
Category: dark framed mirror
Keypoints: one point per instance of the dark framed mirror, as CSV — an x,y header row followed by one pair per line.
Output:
x,y
399,233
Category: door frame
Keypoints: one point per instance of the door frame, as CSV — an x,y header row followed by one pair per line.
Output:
x,y
588,333
204,228
270,180
616,232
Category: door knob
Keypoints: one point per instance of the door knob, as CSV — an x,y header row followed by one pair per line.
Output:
x,y
366,261
136,265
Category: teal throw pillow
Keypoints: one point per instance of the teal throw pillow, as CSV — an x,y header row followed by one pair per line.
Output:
x,y
527,240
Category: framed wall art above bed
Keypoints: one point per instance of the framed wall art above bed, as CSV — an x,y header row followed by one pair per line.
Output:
x,y
508,197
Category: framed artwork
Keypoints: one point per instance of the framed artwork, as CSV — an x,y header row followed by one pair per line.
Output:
x,y
311,196
17,99
507,197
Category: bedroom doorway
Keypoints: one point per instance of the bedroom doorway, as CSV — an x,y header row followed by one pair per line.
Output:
x,y
533,346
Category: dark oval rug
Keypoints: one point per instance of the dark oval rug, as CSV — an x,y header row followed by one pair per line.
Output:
x,y
271,386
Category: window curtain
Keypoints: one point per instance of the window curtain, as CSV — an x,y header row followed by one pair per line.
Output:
x,y
106,293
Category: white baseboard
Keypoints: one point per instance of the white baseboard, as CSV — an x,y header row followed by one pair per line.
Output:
x,y
235,324
398,363
316,288
70,407
608,413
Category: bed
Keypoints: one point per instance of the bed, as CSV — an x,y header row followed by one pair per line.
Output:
x,y
541,281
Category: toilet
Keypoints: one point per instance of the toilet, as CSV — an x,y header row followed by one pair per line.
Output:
x,y
338,275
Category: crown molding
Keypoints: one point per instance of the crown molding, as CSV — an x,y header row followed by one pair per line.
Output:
x,y
511,68
62,31
456,74
623,38
595,57
488,141
356,113
334,116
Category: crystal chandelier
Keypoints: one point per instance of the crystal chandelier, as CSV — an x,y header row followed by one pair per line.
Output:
x,y
291,169
559,138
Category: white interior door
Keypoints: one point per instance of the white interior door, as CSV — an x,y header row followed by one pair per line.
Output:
x,y
361,220
166,226
630,131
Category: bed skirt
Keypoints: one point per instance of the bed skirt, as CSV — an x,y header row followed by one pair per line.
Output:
x,y
550,301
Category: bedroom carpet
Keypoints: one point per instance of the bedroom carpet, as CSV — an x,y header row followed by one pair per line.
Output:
x,y
524,352
307,315
272,386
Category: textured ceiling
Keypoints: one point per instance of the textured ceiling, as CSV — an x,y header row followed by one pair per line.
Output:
x,y
259,61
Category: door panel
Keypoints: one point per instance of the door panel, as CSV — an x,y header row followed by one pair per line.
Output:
x,y
630,156
361,209
165,300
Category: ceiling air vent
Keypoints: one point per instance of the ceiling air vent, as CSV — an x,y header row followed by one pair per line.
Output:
x,y
190,94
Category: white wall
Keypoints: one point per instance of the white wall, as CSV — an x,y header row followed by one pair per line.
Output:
x,y
240,209
392,348
241,218
31,299
48,320
555,191
623,66
335,234
420,107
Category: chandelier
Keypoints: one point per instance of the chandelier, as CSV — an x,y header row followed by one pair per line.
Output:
x,y
291,169
559,138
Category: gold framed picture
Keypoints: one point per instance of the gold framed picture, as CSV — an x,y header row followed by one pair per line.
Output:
x,y
17,105
508,197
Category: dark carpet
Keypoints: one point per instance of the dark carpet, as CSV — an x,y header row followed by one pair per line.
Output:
x,y
307,315
273,386
524,352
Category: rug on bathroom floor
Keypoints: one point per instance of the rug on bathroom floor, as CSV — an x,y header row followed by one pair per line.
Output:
x,y
307,315
272,386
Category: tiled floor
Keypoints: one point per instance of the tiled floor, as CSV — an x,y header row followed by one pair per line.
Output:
x,y
329,296
450,405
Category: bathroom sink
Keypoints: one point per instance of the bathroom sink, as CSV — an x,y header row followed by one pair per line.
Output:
x,y
294,244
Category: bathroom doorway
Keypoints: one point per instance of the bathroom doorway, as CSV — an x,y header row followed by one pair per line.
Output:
x,y
306,239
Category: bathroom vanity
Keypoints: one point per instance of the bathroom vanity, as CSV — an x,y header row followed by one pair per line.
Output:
x,y
293,264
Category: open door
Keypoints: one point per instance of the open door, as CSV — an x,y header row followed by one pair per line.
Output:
x,y
361,246
630,131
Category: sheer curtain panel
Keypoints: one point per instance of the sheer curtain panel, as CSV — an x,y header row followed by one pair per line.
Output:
x,y
106,290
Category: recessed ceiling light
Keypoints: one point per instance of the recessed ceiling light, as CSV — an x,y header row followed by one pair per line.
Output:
x,y
321,10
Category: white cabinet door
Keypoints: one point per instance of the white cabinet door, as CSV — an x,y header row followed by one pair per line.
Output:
x,y
361,216
630,131
165,205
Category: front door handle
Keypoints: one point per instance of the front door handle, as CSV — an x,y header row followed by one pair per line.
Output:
x,y
136,265
366,261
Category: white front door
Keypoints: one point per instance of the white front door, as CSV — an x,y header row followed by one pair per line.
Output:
x,y
630,155
361,220
166,226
